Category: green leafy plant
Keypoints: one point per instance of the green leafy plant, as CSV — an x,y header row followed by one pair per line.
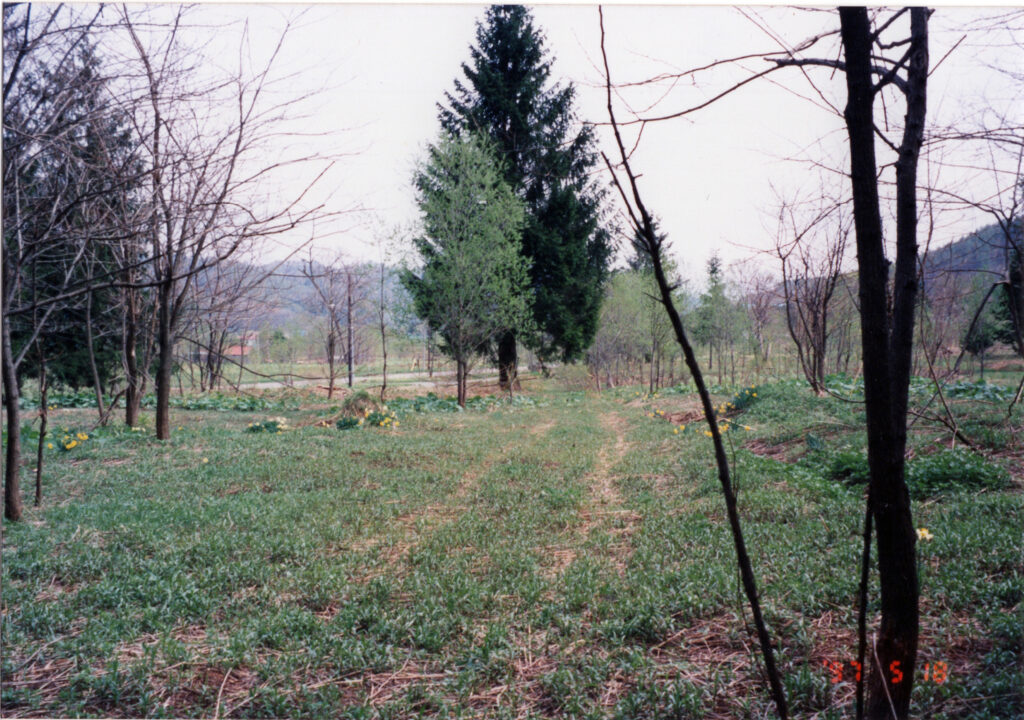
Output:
x,y
70,439
743,399
927,475
347,423
381,418
270,425
950,470
849,466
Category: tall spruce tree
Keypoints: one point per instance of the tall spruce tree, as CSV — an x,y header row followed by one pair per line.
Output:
x,y
546,159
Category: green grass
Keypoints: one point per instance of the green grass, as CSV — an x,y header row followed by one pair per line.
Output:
x,y
563,557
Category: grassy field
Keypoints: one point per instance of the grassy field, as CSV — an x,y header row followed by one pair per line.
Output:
x,y
563,556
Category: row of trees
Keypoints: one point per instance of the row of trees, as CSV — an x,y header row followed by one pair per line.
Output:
x,y
803,319
132,175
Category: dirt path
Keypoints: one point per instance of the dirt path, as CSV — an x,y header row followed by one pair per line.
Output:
x,y
604,507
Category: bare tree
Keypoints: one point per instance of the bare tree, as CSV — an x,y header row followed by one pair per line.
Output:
x,y
225,302
759,298
644,225
340,289
204,175
811,259
897,69
887,326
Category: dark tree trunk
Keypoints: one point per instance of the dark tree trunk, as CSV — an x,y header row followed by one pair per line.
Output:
x,y
91,348
430,354
330,365
508,361
12,471
165,364
348,322
724,474
460,382
381,314
133,384
887,350
44,415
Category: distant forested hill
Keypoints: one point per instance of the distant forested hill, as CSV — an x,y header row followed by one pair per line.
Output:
x,y
983,251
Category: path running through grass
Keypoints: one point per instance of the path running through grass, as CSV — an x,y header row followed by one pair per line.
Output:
x,y
562,559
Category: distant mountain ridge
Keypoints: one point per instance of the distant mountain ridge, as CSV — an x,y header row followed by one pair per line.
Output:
x,y
983,251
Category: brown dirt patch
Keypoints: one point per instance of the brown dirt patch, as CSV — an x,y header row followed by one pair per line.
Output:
x,y
783,452
114,462
56,590
685,418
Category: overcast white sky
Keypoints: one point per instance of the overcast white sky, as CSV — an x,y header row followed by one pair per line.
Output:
x,y
713,178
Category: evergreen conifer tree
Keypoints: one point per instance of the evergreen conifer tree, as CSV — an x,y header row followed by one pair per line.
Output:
x,y
547,160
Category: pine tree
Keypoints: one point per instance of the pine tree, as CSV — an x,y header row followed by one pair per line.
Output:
x,y
547,160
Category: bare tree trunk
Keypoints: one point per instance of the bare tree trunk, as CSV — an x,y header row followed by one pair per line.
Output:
x,y
330,365
460,381
12,471
383,338
644,226
91,347
165,364
732,363
508,360
44,414
887,352
348,321
133,385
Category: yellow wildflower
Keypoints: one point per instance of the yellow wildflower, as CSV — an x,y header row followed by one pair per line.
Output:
x,y
923,534
746,427
49,445
707,433
676,431
73,443
206,460
82,436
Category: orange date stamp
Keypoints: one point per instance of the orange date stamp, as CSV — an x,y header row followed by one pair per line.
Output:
x,y
937,672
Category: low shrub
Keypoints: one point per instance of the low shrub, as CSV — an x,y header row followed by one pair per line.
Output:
x,y
956,469
926,475
381,418
849,466
743,399
270,425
